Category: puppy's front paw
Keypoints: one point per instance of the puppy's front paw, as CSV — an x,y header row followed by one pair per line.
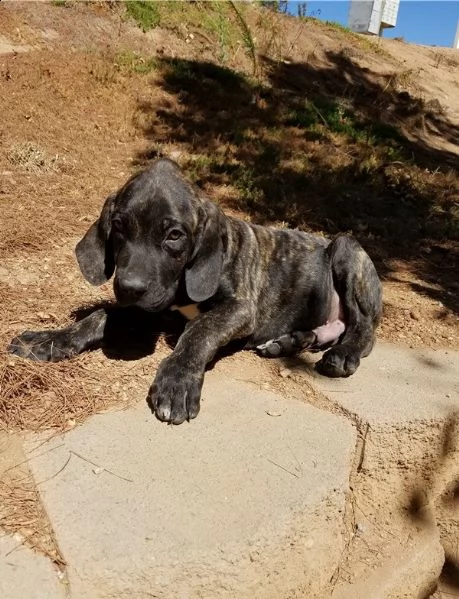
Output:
x,y
46,346
175,394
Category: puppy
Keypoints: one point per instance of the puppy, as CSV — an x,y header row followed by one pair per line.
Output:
x,y
169,247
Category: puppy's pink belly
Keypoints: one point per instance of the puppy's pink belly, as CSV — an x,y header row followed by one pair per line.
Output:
x,y
329,332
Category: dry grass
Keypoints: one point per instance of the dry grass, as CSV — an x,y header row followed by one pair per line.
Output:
x,y
36,396
22,513
32,158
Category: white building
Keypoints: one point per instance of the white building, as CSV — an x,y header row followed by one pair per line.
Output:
x,y
456,39
372,16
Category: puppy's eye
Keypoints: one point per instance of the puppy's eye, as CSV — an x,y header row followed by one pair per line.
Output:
x,y
174,235
117,225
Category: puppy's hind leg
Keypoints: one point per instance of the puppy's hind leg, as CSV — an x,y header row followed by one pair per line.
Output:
x,y
287,345
359,288
291,343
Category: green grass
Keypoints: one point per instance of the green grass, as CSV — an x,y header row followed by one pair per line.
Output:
x,y
204,78
247,37
221,23
338,26
131,62
145,14
216,21
336,118
245,182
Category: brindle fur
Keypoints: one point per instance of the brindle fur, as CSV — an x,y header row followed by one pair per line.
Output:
x,y
168,244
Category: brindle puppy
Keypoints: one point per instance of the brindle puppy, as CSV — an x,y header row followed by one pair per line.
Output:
x,y
169,247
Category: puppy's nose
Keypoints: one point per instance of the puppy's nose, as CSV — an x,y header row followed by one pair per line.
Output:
x,y
133,287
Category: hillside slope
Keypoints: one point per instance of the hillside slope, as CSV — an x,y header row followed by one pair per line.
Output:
x,y
284,121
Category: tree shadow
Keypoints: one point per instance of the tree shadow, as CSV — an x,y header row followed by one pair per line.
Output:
x,y
322,145
421,504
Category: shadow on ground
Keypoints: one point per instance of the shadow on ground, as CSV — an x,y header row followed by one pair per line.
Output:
x,y
441,479
132,333
322,146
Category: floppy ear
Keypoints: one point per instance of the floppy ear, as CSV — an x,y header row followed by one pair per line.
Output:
x,y
95,251
202,274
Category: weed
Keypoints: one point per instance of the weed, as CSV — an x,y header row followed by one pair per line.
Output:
x,y
401,80
104,74
202,18
395,153
373,45
245,183
31,158
63,3
438,59
246,36
280,6
178,70
200,166
220,25
443,223
230,34
339,27
443,60
144,13
369,165
334,117
131,62
305,117
384,131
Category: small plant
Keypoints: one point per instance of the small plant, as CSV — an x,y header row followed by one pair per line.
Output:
x,y
334,117
214,18
103,73
275,5
144,13
31,157
339,27
247,38
244,181
131,62
304,117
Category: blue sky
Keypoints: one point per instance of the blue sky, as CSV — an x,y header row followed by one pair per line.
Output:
x,y
430,22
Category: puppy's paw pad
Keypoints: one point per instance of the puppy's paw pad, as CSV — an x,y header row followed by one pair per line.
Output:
x,y
270,349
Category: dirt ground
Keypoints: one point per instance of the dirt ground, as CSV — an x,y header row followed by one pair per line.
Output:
x,y
75,88
82,110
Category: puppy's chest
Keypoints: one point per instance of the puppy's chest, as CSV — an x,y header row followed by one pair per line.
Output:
x,y
189,311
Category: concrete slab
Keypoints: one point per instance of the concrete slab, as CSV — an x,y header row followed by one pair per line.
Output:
x,y
407,402
396,385
245,501
24,573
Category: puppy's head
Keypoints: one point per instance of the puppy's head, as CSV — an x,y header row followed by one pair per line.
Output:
x,y
153,233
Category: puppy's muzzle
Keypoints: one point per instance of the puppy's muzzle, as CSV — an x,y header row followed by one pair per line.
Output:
x,y
130,289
